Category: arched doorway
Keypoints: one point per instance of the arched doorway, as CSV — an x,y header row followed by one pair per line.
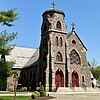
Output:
x,y
75,79
59,78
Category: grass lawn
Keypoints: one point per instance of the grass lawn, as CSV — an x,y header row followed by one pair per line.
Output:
x,y
6,92
17,98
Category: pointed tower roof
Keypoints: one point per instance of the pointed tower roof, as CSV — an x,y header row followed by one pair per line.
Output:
x,y
54,11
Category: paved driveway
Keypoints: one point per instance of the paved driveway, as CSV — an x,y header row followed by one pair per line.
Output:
x,y
76,96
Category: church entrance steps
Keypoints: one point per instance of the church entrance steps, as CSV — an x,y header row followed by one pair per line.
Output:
x,y
77,89
64,89
90,89
70,89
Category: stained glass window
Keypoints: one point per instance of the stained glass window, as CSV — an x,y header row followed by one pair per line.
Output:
x,y
74,57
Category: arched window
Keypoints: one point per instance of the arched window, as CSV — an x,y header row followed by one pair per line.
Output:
x,y
82,79
56,40
60,41
74,42
58,25
74,57
51,14
59,57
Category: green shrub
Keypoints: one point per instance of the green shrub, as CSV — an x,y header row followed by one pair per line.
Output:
x,y
43,94
42,91
34,95
38,93
22,89
38,89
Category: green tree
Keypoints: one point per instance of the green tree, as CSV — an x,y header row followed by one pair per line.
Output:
x,y
6,18
97,72
95,69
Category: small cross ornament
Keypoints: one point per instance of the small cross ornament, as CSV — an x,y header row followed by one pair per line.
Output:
x,y
73,26
53,5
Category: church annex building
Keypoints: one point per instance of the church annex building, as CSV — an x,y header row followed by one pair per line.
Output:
x,y
60,61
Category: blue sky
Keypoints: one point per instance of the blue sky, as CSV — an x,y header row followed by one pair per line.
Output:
x,y
84,13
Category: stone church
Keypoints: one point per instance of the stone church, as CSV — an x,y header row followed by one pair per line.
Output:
x,y
61,58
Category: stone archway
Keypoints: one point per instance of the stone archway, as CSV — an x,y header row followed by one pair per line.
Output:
x,y
59,78
75,79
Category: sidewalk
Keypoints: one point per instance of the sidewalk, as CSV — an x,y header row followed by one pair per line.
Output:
x,y
75,95
51,93
76,92
25,94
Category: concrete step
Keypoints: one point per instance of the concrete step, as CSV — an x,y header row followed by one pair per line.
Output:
x,y
90,89
70,89
77,89
64,89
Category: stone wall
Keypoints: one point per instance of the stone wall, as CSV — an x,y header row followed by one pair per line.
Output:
x,y
82,68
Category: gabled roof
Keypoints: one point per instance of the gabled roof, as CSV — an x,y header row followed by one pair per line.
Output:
x,y
77,37
21,56
33,60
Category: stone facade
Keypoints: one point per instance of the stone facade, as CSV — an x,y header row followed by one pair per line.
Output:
x,y
55,42
62,58
82,69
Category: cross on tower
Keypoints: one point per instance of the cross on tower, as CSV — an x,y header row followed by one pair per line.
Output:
x,y
73,26
53,5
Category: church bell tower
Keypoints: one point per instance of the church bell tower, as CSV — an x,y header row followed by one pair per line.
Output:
x,y
53,66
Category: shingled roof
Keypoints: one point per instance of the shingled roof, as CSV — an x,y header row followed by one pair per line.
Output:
x,y
34,60
21,56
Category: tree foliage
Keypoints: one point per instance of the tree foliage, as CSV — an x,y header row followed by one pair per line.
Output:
x,y
96,72
5,68
95,69
5,38
6,18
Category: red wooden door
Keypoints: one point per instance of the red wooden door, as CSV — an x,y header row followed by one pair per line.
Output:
x,y
58,80
75,79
